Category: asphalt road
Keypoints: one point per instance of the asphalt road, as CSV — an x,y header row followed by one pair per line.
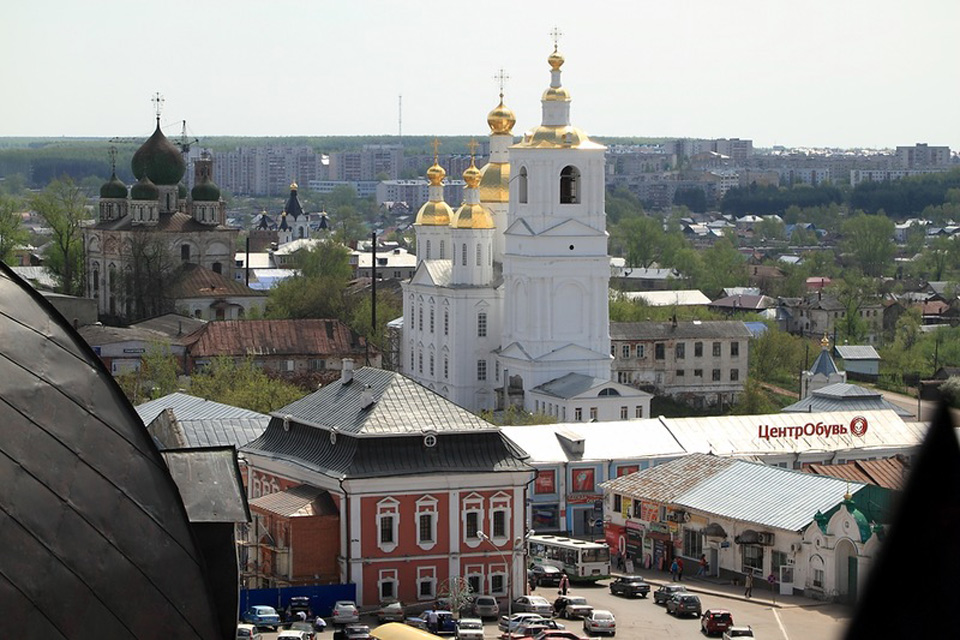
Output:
x,y
640,618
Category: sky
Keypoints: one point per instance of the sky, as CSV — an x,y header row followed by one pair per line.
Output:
x,y
818,73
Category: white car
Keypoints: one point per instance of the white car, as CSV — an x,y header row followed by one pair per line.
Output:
x,y
738,632
290,634
248,632
600,621
345,612
511,623
470,629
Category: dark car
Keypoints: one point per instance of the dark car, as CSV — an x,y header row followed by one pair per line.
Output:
x,y
684,604
715,621
666,591
545,574
631,586
298,604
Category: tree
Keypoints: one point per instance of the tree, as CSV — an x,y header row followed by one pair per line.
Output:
x,y
940,258
950,391
152,272
640,238
869,240
156,377
753,401
723,266
776,356
62,205
318,290
242,384
12,231
456,592
770,229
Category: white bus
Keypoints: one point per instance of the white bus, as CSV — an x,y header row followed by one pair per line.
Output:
x,y
581,560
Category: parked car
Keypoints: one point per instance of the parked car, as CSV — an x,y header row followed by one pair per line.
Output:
x,y
247,632
305,627
470,629
534,628
486,607
600,621
684,604
631,586
416,621
533,604
545,574
510,623
260,615
666,591
573,607
293,634
296,605
554,634
391,612
715,621
356,632
446,625
345,612
738,632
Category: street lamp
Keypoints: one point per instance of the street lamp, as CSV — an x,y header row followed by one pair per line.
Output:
x,y
516,544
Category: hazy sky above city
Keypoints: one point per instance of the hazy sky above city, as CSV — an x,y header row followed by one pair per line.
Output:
x,y
870,73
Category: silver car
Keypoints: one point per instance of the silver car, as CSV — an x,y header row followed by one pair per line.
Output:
x,y
533,604
345,612
486,607
470,629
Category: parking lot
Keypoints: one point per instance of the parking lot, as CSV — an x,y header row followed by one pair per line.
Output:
x,y
641,618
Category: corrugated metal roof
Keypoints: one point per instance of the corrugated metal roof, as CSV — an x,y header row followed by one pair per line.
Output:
x,y
240,338
171,324
211,432
859,352
740,435
97,336
887,472
666,482
669,298
765,495
618,440
209,483
844,397
680,331
399,406
195,281
187,407
824,364
299,501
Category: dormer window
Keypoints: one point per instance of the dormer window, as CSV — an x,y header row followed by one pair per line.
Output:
x,y
570,185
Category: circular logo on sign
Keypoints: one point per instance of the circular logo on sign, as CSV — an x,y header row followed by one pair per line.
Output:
x,y
858,426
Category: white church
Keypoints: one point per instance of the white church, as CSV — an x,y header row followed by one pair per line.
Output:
x,y
509,301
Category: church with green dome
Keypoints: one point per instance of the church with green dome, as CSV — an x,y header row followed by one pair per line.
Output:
x,y
157,247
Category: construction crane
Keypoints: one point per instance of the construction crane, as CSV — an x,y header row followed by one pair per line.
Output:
x,y
185,142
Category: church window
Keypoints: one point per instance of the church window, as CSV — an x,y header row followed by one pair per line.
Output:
x,y
496,371
569,185
593,414
96,281
441,249
420,362
638,411
522,186
481,370
446,322
578,414
463,256
482,324
431,364
217,267
446,367
411,356
301,232
184,252
479,256
623,413
431,320
420,318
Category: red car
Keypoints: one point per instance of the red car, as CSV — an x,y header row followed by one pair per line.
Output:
x,y
715,621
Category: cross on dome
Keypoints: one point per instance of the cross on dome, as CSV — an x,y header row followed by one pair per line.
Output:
x,y
472,145
501,77
157,101
436,149
555,33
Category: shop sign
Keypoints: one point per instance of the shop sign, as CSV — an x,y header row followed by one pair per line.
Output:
x,y
649,511
673,527
858,427
134,350
700,520
659,527
626,505
587,499
546,481
633,525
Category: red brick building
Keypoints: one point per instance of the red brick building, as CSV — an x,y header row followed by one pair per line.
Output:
x,y
415,480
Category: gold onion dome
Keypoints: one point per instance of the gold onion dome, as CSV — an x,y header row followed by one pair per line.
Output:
x,y
472,215
436,174
555,60
501,119
472,175
495,182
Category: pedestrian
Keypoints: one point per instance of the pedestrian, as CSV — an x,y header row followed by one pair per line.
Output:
x,y
674,567
748,584
319,624
628,566
702,570
533,583
680,569
432,621
564,584
302,615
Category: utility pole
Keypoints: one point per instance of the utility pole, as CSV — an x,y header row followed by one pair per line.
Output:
x,y
373,291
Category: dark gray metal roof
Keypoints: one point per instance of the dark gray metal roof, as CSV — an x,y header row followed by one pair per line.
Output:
x,y
857,352
94,538
171,324
299,501
170,432
399,406
681,331
187,407
209,483
824,364
844,397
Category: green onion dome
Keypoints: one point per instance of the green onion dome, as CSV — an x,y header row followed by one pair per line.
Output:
x,y
159,160
145,190
113,188
182,191
205,191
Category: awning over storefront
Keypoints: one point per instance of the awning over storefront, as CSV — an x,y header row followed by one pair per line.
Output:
x,y
714,530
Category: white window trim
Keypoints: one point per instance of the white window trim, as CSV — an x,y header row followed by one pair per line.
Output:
x,y
388,507
387,575
473,503
427,505
500,502
474,571
497,570
427,574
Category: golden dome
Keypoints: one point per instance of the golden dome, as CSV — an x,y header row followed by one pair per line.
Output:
x,y
825,342
548,136
434,214
472,175
495,182
555,60
472,216
293,186
555,94
501,119
436,174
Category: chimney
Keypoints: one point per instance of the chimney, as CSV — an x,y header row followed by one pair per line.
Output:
x,y
366,398
346,371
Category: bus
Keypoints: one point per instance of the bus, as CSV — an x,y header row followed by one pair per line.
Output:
x,y
581,560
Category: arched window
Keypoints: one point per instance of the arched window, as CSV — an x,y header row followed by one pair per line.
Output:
x,y
569,185
463,257
428,250
479,255
522,185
